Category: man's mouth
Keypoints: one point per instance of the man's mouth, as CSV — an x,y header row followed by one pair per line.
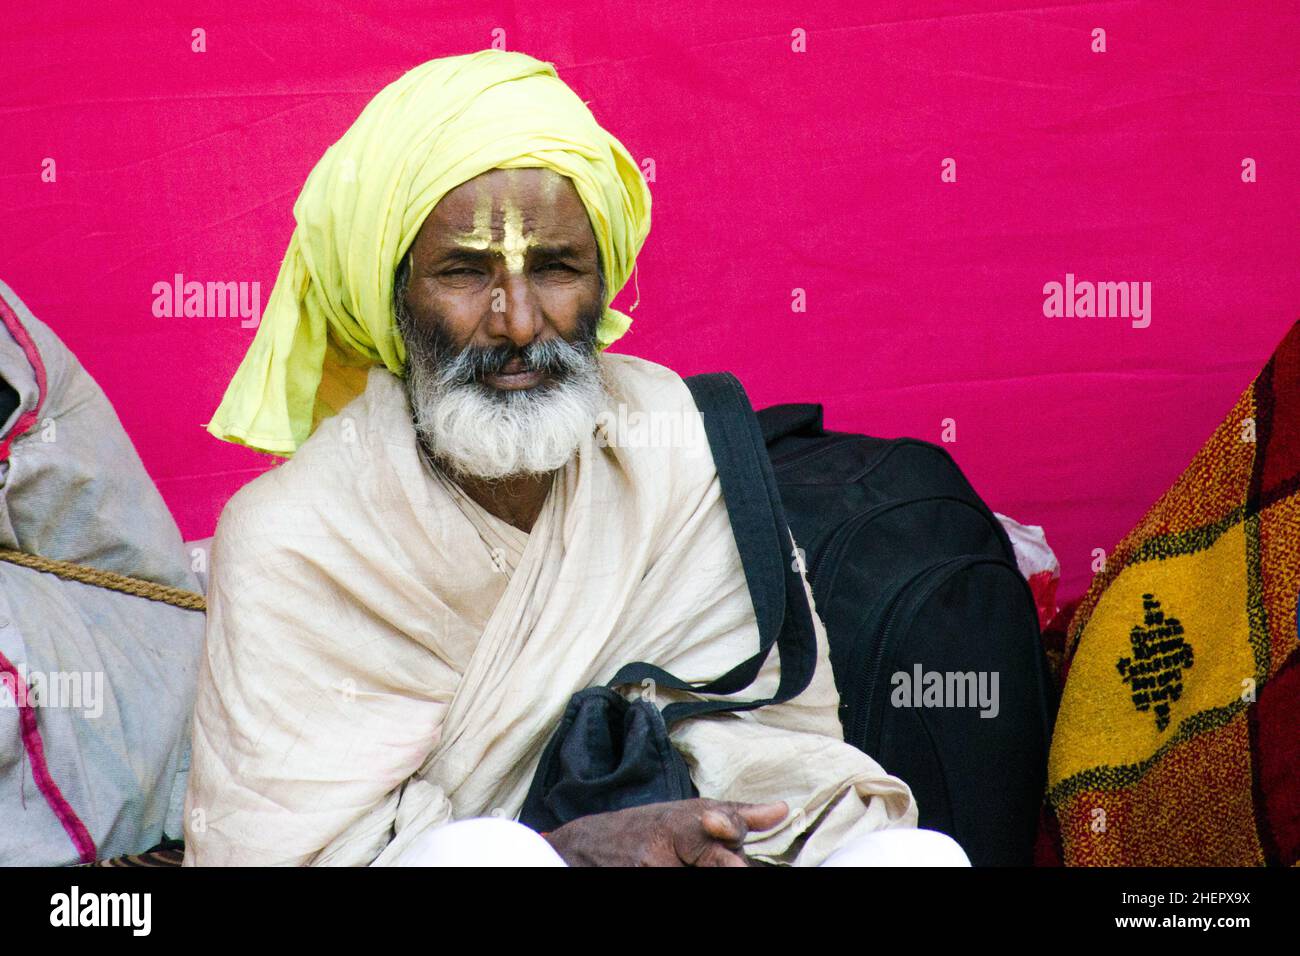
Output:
x,y
514,375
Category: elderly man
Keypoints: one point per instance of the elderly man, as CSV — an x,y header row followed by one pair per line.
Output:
x,y
400,613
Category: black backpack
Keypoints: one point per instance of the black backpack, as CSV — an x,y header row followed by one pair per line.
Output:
x,y
917,585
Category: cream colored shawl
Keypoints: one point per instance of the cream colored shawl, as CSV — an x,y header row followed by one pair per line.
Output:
x,y
384,655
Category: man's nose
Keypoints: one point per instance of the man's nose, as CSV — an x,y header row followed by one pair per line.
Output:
x,y
515,313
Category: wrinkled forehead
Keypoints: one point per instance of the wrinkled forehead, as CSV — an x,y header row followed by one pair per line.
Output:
x,y
535,202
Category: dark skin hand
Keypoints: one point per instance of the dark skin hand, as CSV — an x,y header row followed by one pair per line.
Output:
x,y
680,833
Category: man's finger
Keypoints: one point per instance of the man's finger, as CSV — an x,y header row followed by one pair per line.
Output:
x,y
715,854
697,833
724,822
697,847
762,816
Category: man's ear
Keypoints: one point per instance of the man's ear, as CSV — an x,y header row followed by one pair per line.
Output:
x,y
402,277
401,282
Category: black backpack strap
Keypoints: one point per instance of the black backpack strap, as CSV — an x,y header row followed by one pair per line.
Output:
x,y
766,552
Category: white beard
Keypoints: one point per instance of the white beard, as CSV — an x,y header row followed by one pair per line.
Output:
x,y
476,430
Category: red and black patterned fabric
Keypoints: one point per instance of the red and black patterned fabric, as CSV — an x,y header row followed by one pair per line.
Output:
x,y
1176,742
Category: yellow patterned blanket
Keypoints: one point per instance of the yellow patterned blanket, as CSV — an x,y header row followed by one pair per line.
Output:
x,y
1178,738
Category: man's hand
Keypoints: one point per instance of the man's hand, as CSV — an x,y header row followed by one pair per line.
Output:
x,y
679,833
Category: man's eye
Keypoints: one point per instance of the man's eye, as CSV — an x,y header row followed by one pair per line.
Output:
x,y
461,272
556,265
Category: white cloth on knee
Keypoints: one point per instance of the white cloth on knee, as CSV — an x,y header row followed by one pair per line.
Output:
x,y
496,841
480,841
900,846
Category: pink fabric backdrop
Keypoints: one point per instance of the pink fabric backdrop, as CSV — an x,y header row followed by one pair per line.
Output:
x,y
774,170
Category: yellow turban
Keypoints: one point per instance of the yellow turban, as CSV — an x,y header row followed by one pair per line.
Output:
x,y
330,316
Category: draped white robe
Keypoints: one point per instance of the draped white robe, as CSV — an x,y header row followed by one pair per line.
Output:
x,y
384,655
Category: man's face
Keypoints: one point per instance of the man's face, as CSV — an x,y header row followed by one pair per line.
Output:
x,y
498,305
506,261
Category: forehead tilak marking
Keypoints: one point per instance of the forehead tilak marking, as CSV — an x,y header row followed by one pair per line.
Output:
x,y
551,185
513,245
481,236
